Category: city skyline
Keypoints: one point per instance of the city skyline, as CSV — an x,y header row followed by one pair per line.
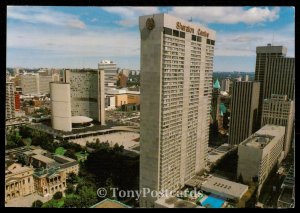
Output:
x,y
79,37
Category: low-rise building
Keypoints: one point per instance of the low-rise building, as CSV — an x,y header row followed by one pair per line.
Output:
x,y
49,181
224,188
18,181
46,172
260,153
123,96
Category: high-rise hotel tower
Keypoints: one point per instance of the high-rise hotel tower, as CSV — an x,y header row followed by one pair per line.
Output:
x,y
176,85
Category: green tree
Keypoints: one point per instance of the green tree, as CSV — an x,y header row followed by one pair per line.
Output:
x,y
70,188
72,201
72,178
88,196
57,195
37,204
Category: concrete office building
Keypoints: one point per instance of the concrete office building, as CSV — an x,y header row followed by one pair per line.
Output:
x,y
260,153
78,98
60,95
44,84
30,83
278,110
9,101
36,83
263,54
176,85
110,74
225,83
244,104
87,93
280,77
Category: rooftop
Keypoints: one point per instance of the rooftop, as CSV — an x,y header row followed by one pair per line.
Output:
x,y
264,136
81,119
215,154
108,203
224,187
43,159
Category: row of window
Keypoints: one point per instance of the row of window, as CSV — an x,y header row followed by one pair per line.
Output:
x,y
175,33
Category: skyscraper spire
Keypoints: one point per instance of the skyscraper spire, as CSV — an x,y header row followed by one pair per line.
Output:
x,y
217,84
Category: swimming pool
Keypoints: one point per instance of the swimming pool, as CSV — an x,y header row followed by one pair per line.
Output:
x,y
212,202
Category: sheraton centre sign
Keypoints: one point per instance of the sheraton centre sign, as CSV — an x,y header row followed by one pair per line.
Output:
x,y
189,29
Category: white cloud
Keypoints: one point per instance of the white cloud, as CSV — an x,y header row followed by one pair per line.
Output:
x,y
245,43
43,15
129,15
97,43
227,15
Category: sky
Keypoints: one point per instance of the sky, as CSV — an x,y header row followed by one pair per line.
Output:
x,y
80,37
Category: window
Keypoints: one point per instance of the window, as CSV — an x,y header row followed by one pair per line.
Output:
x,y
212,42
167,31
207,41
176,33
199,38
182,34
194,38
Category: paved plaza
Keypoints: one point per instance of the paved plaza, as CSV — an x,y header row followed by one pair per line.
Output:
x,y
122,138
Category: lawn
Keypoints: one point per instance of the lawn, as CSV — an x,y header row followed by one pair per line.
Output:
x,y
54,203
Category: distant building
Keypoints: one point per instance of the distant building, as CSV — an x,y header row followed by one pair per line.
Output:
x,y
44,87
225,83
246,77
263,55
9,101
123,96
30,83
110,102
244,104
260,153
110,73
17,101
122,78
278,110
36,83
